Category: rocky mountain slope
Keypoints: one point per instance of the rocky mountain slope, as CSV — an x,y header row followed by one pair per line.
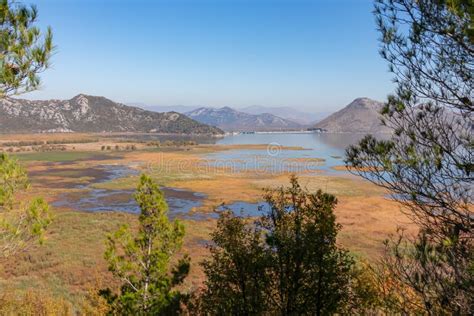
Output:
x,y
229,119
360,116
85,113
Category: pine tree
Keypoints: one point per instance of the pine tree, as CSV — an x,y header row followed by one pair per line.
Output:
x,y
22,57
21,222
427,164
141,260
24,52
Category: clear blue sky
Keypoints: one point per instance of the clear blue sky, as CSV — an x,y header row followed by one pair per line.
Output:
x,y
316,55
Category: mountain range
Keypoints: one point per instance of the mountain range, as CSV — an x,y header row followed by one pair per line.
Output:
x,y
361,116
85,113
230,119
289,113
285,112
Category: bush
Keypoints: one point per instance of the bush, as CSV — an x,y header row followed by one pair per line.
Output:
x,y
33,302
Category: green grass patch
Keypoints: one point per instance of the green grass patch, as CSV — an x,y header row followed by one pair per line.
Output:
x,y
165,179
66,156
125,183
55,156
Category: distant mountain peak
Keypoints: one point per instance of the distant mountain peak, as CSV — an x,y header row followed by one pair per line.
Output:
x,y
82,96
363,99
230,119
287,112
360,116
79,96
365,102
227,108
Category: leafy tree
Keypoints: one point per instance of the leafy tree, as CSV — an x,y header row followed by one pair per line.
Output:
x,y
237,270
427,164
141,260
285,263
310,274
24,52
20,222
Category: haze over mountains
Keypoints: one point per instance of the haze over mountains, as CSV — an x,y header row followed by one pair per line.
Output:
x,y
285,112
166,108
361,116
85,113
289,113
229,119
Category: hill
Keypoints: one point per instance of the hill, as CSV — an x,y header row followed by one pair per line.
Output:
x,y
229,119
85,113
361,116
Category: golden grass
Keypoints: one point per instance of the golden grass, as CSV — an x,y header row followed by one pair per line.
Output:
x,y
47,136
71,261
367,221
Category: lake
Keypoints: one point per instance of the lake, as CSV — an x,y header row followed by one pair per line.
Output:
x,y
324,141
321,151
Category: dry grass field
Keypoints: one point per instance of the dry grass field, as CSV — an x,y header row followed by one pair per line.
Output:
x,y
71,262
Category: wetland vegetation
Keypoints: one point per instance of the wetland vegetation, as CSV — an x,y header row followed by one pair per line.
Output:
x,y
91,193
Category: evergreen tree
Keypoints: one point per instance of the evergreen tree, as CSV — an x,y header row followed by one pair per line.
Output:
x,y
141,260
21,222
24,52
22,57
428,162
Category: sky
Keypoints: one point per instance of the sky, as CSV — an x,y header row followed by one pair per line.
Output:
x,y
313,55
